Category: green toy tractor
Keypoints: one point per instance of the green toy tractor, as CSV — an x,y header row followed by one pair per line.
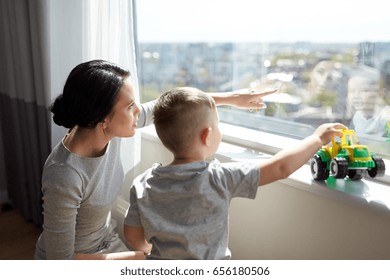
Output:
x,y
345,157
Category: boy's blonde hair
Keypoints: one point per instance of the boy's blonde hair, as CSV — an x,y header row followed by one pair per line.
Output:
x,y
180,115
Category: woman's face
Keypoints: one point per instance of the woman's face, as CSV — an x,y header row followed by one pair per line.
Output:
x,y
325,76
122,121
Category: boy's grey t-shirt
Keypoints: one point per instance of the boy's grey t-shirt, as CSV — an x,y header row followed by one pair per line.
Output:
x,y
184,208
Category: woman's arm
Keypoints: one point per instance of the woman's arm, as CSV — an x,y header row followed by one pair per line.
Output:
x,y
61,188
243,98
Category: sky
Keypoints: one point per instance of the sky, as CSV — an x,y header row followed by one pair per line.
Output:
x,y
258,21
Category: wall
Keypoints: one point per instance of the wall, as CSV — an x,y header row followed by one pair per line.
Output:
x,y
285,222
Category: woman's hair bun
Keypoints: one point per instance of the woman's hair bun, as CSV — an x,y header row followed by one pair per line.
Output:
x,y
61,112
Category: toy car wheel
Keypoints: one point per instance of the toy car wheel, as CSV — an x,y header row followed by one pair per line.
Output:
x,y
379,169
318,169
356,174
339,168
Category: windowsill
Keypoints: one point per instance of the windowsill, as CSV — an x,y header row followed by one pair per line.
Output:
x,y
373,193
254,145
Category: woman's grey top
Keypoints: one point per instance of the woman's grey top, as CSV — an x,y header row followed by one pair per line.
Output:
x,y
78,194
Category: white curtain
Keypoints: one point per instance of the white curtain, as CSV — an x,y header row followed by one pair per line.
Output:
x,y
109,34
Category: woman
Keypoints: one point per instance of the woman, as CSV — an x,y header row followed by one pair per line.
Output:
x,y
83,174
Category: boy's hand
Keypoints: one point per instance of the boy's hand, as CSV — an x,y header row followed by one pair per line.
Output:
x,y
326,132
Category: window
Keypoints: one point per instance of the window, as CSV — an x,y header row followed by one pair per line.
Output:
x,y
329,60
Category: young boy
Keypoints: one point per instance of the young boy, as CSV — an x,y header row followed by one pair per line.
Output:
x,y
180,211
366,98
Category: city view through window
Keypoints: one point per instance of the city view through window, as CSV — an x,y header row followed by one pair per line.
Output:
x,y
342,79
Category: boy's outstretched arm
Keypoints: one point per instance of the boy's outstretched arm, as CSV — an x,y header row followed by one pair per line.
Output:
x,y
136,238
289,160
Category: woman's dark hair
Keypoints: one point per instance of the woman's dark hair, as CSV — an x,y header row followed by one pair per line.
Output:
x,y
89,94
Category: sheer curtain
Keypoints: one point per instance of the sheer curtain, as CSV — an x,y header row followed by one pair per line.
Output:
x,y
41,41
109,33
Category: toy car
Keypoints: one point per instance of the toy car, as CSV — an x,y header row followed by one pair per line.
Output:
x,y
346,157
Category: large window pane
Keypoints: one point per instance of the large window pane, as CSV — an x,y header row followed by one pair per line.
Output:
x,y
330,61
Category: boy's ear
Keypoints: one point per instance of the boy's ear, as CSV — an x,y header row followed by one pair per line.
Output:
x,y
206,136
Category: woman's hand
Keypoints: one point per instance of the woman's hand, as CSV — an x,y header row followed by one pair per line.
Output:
x,y
244,98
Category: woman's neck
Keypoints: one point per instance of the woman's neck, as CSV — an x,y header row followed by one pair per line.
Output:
x,y
86,142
